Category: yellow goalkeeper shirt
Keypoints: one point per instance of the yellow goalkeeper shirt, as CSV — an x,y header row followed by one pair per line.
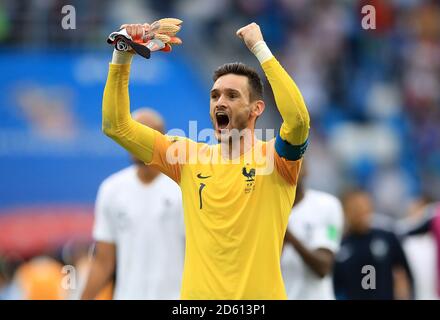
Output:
x,y
236,211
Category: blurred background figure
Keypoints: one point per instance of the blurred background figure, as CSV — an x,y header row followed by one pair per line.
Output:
x,y
371,263
312,239
8,289
139,231
420,231
40,279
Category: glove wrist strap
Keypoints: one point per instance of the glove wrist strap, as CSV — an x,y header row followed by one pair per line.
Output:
x,y
121,57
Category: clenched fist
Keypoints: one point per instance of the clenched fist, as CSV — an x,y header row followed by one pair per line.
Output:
x,y
250,34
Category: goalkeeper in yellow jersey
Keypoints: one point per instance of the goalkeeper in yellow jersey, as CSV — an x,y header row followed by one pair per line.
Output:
x,y
236,210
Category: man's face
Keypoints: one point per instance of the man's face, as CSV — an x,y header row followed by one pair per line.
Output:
x,y
230,106
358,211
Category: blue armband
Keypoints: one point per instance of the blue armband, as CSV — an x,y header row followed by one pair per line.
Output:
x,y
288,151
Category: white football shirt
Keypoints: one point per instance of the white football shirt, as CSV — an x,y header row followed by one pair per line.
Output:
x,y
317,221
145,222
420,251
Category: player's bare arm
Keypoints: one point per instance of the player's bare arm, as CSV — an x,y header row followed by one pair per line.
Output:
x,y
320,260
101,271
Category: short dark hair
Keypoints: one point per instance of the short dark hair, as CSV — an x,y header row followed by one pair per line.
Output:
x,y
238,68
351,192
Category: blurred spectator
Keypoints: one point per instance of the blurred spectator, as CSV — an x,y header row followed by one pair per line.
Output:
x,y
363,248
421,234
8,289
40,279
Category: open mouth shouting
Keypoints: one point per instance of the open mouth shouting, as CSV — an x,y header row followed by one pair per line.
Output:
x,y
222,120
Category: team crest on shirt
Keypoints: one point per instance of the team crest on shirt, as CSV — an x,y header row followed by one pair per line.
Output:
x,y
249,174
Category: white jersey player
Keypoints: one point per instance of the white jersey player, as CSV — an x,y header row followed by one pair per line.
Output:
x,y
312,239
139,232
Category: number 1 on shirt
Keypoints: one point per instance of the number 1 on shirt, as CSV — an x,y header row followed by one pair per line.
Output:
x,y
202,185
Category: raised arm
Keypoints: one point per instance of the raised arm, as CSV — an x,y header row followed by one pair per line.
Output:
x,y
292,140
116,119
145,143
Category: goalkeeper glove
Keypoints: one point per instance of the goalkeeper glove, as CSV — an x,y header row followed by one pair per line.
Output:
x,y
160,35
